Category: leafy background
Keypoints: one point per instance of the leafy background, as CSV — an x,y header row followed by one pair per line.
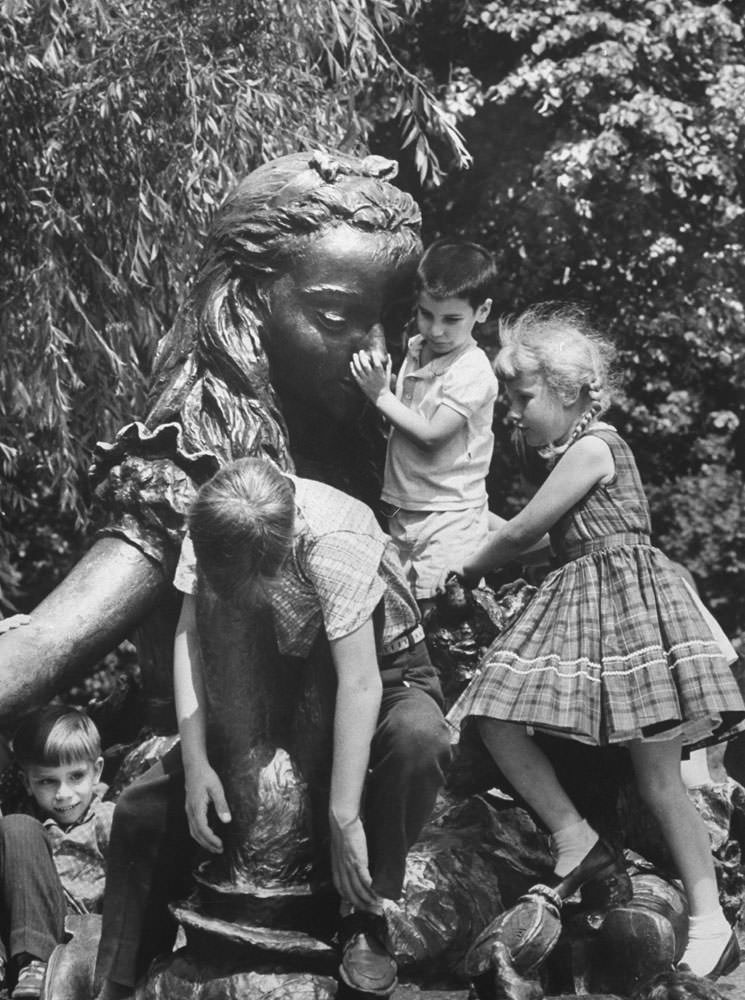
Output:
x,y
596,148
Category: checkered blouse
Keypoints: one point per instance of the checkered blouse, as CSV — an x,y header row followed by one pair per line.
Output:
x,y
342,567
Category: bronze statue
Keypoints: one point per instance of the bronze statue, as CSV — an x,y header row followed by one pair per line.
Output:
x,y
305,256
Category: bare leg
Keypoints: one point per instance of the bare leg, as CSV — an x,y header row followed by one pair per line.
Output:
x,y
657,769
530,772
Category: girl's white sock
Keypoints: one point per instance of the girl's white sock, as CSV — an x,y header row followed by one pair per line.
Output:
x,y
570,844
707,938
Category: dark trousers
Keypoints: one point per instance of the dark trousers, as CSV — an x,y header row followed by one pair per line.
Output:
x,y
32,914
151,854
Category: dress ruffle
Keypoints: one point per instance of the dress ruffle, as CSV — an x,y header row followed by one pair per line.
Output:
x,y
165,441
146,480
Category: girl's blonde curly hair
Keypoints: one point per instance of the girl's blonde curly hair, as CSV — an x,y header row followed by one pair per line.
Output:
x,y
557,342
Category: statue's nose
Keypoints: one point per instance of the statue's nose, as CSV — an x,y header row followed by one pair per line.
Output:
x,y
375,340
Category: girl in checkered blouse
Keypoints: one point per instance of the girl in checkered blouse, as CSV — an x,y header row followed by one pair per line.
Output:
x,y
613,648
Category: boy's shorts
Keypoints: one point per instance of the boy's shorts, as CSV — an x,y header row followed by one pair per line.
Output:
x,y
429,542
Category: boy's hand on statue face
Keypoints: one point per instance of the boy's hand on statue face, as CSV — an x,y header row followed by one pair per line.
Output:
x,y
371,373
203,787
349,864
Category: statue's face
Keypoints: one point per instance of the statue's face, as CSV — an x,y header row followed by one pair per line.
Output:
x,y
322,308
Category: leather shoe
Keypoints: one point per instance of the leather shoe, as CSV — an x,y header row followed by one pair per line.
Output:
x,y
30,980
728,961
365,962
601,875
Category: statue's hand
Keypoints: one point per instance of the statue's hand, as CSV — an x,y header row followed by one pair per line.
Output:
x,y
6,624
349,864
202,788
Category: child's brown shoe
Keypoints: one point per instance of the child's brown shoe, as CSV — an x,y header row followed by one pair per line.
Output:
x,y
30,980
366,964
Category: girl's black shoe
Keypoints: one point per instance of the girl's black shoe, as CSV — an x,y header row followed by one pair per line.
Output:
x,y
600,878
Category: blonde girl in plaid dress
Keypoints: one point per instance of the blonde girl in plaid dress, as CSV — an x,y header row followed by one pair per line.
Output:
x,y
614,648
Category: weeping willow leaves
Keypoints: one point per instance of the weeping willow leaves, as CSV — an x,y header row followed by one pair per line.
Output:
x,y
124,125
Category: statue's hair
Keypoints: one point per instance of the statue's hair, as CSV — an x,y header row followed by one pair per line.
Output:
x,y
557,342
211,369
241,525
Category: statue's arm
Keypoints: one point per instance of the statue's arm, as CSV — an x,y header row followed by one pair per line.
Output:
x,y
95,607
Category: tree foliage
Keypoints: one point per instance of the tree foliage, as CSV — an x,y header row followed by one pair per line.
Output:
x,y
124,125
608,141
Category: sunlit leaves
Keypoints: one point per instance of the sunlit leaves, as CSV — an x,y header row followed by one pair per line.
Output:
x,y
618,180
123,126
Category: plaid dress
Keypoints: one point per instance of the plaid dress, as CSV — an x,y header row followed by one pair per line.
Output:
x,y
613,647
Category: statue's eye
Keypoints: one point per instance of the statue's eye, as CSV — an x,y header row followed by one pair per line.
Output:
x,y
332,321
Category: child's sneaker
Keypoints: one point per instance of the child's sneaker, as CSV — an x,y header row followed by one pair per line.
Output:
x,y
30,980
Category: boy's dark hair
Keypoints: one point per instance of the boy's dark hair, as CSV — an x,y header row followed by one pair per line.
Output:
x,y
56,736
241,525
457,269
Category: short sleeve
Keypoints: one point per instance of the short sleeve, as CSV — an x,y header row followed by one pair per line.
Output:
x,y
343,568
185,577
470,385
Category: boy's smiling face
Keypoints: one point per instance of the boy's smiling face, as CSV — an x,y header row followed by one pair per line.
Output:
x,y
63,792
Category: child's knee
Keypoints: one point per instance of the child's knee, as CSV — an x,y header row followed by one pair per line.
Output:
x,y
422,745
21,837
494,732
20,826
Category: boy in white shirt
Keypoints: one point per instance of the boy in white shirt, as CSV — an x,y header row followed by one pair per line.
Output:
x,y
441,413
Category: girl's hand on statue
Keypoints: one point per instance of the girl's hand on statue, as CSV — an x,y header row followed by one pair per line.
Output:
x,y
371,373
15,621
349,863
202,788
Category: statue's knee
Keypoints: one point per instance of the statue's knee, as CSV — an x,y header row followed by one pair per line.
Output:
x,y
133,820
